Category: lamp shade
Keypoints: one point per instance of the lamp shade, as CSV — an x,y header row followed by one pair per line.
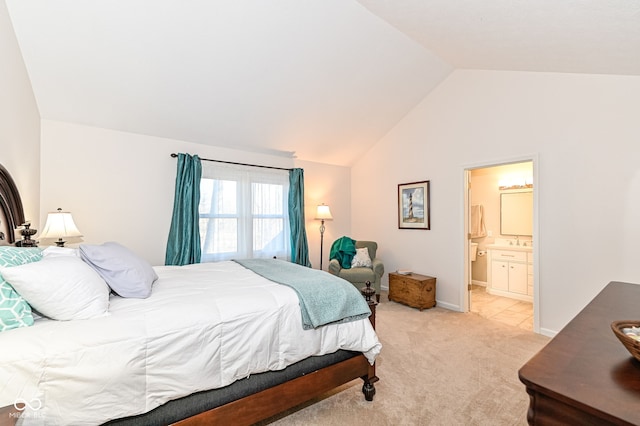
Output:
x,y
323,213
60,225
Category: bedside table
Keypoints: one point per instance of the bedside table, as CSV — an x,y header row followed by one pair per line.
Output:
x,y
415,290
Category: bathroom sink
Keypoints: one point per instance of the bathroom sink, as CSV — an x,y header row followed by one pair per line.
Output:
x,y
514,246
512,242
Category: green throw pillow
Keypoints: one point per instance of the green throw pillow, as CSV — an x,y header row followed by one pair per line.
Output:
x,y
14,310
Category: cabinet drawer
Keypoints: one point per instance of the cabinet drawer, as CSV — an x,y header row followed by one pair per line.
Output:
x,y
508,255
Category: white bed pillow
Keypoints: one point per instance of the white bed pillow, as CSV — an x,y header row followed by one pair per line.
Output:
x,y
14,310
361,259
60,287
52,251
126,273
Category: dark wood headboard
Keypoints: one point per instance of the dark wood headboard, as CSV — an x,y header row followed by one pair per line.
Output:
x,y
12,214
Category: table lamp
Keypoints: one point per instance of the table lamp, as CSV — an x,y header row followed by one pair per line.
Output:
x,y
60,225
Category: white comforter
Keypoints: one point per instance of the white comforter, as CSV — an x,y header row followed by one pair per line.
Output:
x,y
203,327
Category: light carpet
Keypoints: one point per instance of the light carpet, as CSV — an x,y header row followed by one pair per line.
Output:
x,y
437,367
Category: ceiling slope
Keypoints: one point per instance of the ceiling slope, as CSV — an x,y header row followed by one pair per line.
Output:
x,y
325,79
571,36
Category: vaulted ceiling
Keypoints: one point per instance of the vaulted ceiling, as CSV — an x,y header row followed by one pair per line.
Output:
x,y
569,36
323,80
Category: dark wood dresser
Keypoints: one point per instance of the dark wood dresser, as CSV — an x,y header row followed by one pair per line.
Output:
x,y
584,375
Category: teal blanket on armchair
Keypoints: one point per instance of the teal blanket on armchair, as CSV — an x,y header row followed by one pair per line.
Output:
x,y
324,298
343,249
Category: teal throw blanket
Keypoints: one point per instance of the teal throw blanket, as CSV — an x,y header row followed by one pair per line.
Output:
x,y
324,298
343,249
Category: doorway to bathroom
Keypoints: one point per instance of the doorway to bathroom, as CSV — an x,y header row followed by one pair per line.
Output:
x,y
500,229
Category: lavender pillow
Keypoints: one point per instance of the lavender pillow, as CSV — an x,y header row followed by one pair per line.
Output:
x,y
127,274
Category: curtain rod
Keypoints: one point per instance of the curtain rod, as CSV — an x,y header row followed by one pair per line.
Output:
x,y
238,164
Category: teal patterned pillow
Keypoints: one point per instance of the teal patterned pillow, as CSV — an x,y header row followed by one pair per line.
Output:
x,y
14,310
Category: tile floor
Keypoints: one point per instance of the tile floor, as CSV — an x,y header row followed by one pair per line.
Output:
x,y
503,309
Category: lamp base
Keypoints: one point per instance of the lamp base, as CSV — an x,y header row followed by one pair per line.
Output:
x,y
321,241
27,232
60,243
367,291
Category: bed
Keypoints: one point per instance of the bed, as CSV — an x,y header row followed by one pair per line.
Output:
x,y
213,343
11,211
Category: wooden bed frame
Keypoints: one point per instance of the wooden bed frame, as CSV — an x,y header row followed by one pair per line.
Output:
x,y
277,399
11,212
11,216
274,400
244,411
270,402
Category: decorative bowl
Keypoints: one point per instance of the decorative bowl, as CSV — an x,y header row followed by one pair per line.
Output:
x,y
632,345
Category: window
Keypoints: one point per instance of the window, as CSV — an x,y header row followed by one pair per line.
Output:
x,y
243,212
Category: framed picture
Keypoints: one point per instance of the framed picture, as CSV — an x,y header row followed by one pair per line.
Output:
x,y
413,205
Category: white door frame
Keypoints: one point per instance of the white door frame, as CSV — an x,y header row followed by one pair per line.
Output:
x,y
466,172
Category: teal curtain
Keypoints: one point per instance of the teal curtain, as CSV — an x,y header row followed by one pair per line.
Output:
x,y
299,244
183,245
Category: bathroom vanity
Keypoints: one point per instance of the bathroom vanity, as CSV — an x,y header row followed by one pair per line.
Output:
x,y
510,270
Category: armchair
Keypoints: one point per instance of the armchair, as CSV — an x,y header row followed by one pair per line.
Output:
x,y
360,275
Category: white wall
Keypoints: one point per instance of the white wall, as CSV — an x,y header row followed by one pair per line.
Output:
x,y
582,128
120,186
19,121
584,131
330,185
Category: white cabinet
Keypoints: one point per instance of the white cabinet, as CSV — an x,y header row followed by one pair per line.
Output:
x,y
510,272
500,275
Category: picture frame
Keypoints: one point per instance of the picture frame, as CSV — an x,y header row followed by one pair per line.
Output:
x,y
414,205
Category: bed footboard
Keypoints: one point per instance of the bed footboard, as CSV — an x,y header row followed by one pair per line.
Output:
x,y
9,415
269,402
277,399
293,386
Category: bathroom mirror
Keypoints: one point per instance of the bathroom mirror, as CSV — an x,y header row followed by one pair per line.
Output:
x,y
516,213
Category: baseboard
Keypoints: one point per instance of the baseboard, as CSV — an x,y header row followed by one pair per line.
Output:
x,y
510,295
478,282
440,304
548,333
449,306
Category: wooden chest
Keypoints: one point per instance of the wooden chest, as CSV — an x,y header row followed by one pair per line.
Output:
x,y
415,290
